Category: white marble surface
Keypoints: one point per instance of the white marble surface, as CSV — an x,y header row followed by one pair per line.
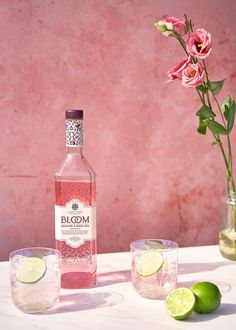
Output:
x,y
114,304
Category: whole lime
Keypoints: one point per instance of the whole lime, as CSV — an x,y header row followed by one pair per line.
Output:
x,y
208,297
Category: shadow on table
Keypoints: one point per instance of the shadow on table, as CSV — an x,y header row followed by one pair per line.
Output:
x,y
225,309
191,268
85,301
91,300
196,267
223,286
113,277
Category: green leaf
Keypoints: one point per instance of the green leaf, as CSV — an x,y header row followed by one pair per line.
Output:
x,y
216,86
226,104
201,127
215,127
231,115
205,112
228,110
202,89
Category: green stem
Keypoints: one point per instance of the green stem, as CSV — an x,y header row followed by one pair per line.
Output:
x,y
217,138
201,96
204,65
228,162
182,43
234,217
180,39
219,143
208,99
230,158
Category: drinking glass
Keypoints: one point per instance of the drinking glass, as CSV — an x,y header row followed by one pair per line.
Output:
x,y
154,267
35,278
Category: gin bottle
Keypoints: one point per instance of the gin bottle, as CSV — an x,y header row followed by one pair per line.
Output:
x,y
75,209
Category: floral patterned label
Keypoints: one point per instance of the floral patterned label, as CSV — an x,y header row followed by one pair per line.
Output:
x,y
74,132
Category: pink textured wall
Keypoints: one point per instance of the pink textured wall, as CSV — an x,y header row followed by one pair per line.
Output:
x,y
156,176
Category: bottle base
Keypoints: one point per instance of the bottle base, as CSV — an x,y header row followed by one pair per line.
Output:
x,y
78,280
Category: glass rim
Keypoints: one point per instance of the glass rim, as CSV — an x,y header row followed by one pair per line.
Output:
x,y
228,194
174,245
36,248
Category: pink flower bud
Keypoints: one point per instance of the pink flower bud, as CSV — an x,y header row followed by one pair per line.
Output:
x,y
199,43
171,23
193,75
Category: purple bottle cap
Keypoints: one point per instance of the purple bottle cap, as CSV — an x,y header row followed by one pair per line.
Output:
x,y
74,114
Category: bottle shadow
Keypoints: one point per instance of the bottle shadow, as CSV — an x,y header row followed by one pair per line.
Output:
x,y
113,277
84,301
91,300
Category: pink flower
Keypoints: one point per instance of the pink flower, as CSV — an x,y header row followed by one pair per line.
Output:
x,y
176,71
193,75
199,43
171,23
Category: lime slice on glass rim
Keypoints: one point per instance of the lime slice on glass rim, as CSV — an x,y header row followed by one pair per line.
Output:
x,y
180,303
31,270
149,263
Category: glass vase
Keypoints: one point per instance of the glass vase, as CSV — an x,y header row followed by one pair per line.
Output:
x,y
227,235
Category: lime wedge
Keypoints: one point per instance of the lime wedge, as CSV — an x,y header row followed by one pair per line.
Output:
x,y
149,263
180,303
31,270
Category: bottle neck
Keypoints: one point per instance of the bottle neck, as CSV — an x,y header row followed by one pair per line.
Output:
x,y
75,150
74,135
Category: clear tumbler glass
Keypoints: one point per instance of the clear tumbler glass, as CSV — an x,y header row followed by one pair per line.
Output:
x,y
35,278
154,267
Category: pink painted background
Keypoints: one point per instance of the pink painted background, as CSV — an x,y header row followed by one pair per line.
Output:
x,y
156,176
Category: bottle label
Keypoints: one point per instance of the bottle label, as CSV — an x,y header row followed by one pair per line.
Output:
x,y
75,223
74,132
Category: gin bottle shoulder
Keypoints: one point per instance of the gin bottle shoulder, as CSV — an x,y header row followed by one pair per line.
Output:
x,y
75,167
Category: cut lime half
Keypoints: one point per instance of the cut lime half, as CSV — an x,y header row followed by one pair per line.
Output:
x,y
149,263
31,270
180,303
